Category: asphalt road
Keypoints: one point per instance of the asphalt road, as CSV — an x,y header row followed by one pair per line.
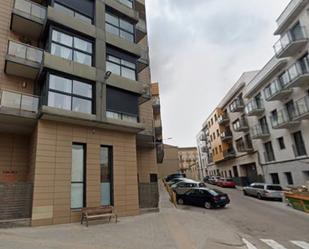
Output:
x,y
259,219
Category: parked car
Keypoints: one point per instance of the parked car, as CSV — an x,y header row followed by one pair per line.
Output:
x,y
264,191
214,179
185,185
175,180
206,179
176,175
226,183
204,197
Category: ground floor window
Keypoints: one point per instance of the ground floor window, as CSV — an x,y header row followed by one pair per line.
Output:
x,y
289,178
78,186
235,171
275,178
106,166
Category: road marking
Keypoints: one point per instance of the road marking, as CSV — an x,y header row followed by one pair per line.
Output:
x,y
301,244
248,244
273,244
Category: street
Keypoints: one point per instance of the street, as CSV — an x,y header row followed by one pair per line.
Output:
x,y
261,219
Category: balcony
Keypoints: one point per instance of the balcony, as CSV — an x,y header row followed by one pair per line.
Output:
x,y
260,131
275,91
223,119
203,137
255,108
284,119
204,149
237,105
289,14
290,43
141,30
297,75
18,111
241,126
226,136
244,146
23,60
156,105
143,61
160,152
229,154
158,127
28,18
302,108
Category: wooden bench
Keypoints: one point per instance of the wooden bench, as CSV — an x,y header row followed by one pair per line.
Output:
x,y
95,213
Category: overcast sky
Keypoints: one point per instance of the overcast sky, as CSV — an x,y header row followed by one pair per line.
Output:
x,y
199,49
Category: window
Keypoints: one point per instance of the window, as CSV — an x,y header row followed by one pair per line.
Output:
x,y
119,27
218,133
289,178
220,148
214,135
215,117
121,67
106,161
216,150
269,152
275,178
71,95
236,125
72,13
290,107
299,146
71,48
78,185
281,143
128,3
240,145
153,178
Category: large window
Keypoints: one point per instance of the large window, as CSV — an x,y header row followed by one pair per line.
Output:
x,y
119,27
269,152
72,13
68,94
299,146
71,47
78,176
121,67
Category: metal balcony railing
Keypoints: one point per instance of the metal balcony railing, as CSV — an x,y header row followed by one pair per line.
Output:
x,y
273,89
19,101
290,37
298,69
282,118
259,131
254,106
25,51
226,135
241,125
302,106
223,119
30,8
237,105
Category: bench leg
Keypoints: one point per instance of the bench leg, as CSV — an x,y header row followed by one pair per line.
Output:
x,y
116,217
82,219
86,222
109,219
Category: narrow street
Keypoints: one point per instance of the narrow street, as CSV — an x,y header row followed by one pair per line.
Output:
x,y
259,219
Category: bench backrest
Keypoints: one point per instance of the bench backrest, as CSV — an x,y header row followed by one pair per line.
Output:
x,y
98,210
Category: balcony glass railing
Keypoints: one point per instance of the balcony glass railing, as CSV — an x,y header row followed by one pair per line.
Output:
x,y
226,134
273,89
237,104
282,117
297,69
223,118
19,101
260,130
24,51
297,34
31,8
254,105
302,106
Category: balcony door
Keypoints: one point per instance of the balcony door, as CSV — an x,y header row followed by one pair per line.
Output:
x,y
300,149
106,175
290,107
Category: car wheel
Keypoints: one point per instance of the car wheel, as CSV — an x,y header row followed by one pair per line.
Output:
x,y
207,205
259,196
180,201
245,193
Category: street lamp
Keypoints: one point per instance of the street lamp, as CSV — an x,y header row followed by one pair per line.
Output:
x,y
106,77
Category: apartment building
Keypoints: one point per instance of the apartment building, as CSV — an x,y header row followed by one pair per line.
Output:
x,y
228,144
76,116
201,141
279,101
170,164
188,162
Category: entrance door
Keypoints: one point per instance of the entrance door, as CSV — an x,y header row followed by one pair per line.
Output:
x,y
251,172
106,175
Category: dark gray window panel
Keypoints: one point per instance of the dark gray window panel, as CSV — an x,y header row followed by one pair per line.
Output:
x,y
85,7
121,101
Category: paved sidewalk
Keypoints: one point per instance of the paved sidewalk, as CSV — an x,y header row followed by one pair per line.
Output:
x,y
170,228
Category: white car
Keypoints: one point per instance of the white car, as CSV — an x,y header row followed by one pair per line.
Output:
x,y
264,191
185,185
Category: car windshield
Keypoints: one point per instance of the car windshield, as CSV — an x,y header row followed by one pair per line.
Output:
x,y
274,187
202,184
214,192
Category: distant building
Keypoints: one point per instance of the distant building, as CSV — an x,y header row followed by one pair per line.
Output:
x,y
188,162
170,164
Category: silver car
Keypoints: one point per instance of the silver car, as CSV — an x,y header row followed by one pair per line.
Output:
x,y
183,186
264,191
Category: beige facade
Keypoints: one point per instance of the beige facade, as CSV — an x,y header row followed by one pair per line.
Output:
x,y
188,162
37,137
170,164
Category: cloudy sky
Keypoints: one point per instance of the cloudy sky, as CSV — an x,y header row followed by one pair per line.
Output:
x,y
199,49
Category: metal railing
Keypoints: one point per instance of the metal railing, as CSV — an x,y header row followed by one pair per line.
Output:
x,y
226,135
19,101
241,125
290,37
237,104
31,8
273,89
141,25
259,130
223,118
297,69
302,106
254,105
25,51
282,116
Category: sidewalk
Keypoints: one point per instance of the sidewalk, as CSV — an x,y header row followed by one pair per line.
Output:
x,y
171,228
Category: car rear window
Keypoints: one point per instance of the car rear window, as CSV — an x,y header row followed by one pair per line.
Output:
x,y
273,187
214,192
202,184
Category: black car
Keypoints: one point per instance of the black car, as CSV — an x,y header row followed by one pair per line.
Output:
x,y
204,197
172,176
